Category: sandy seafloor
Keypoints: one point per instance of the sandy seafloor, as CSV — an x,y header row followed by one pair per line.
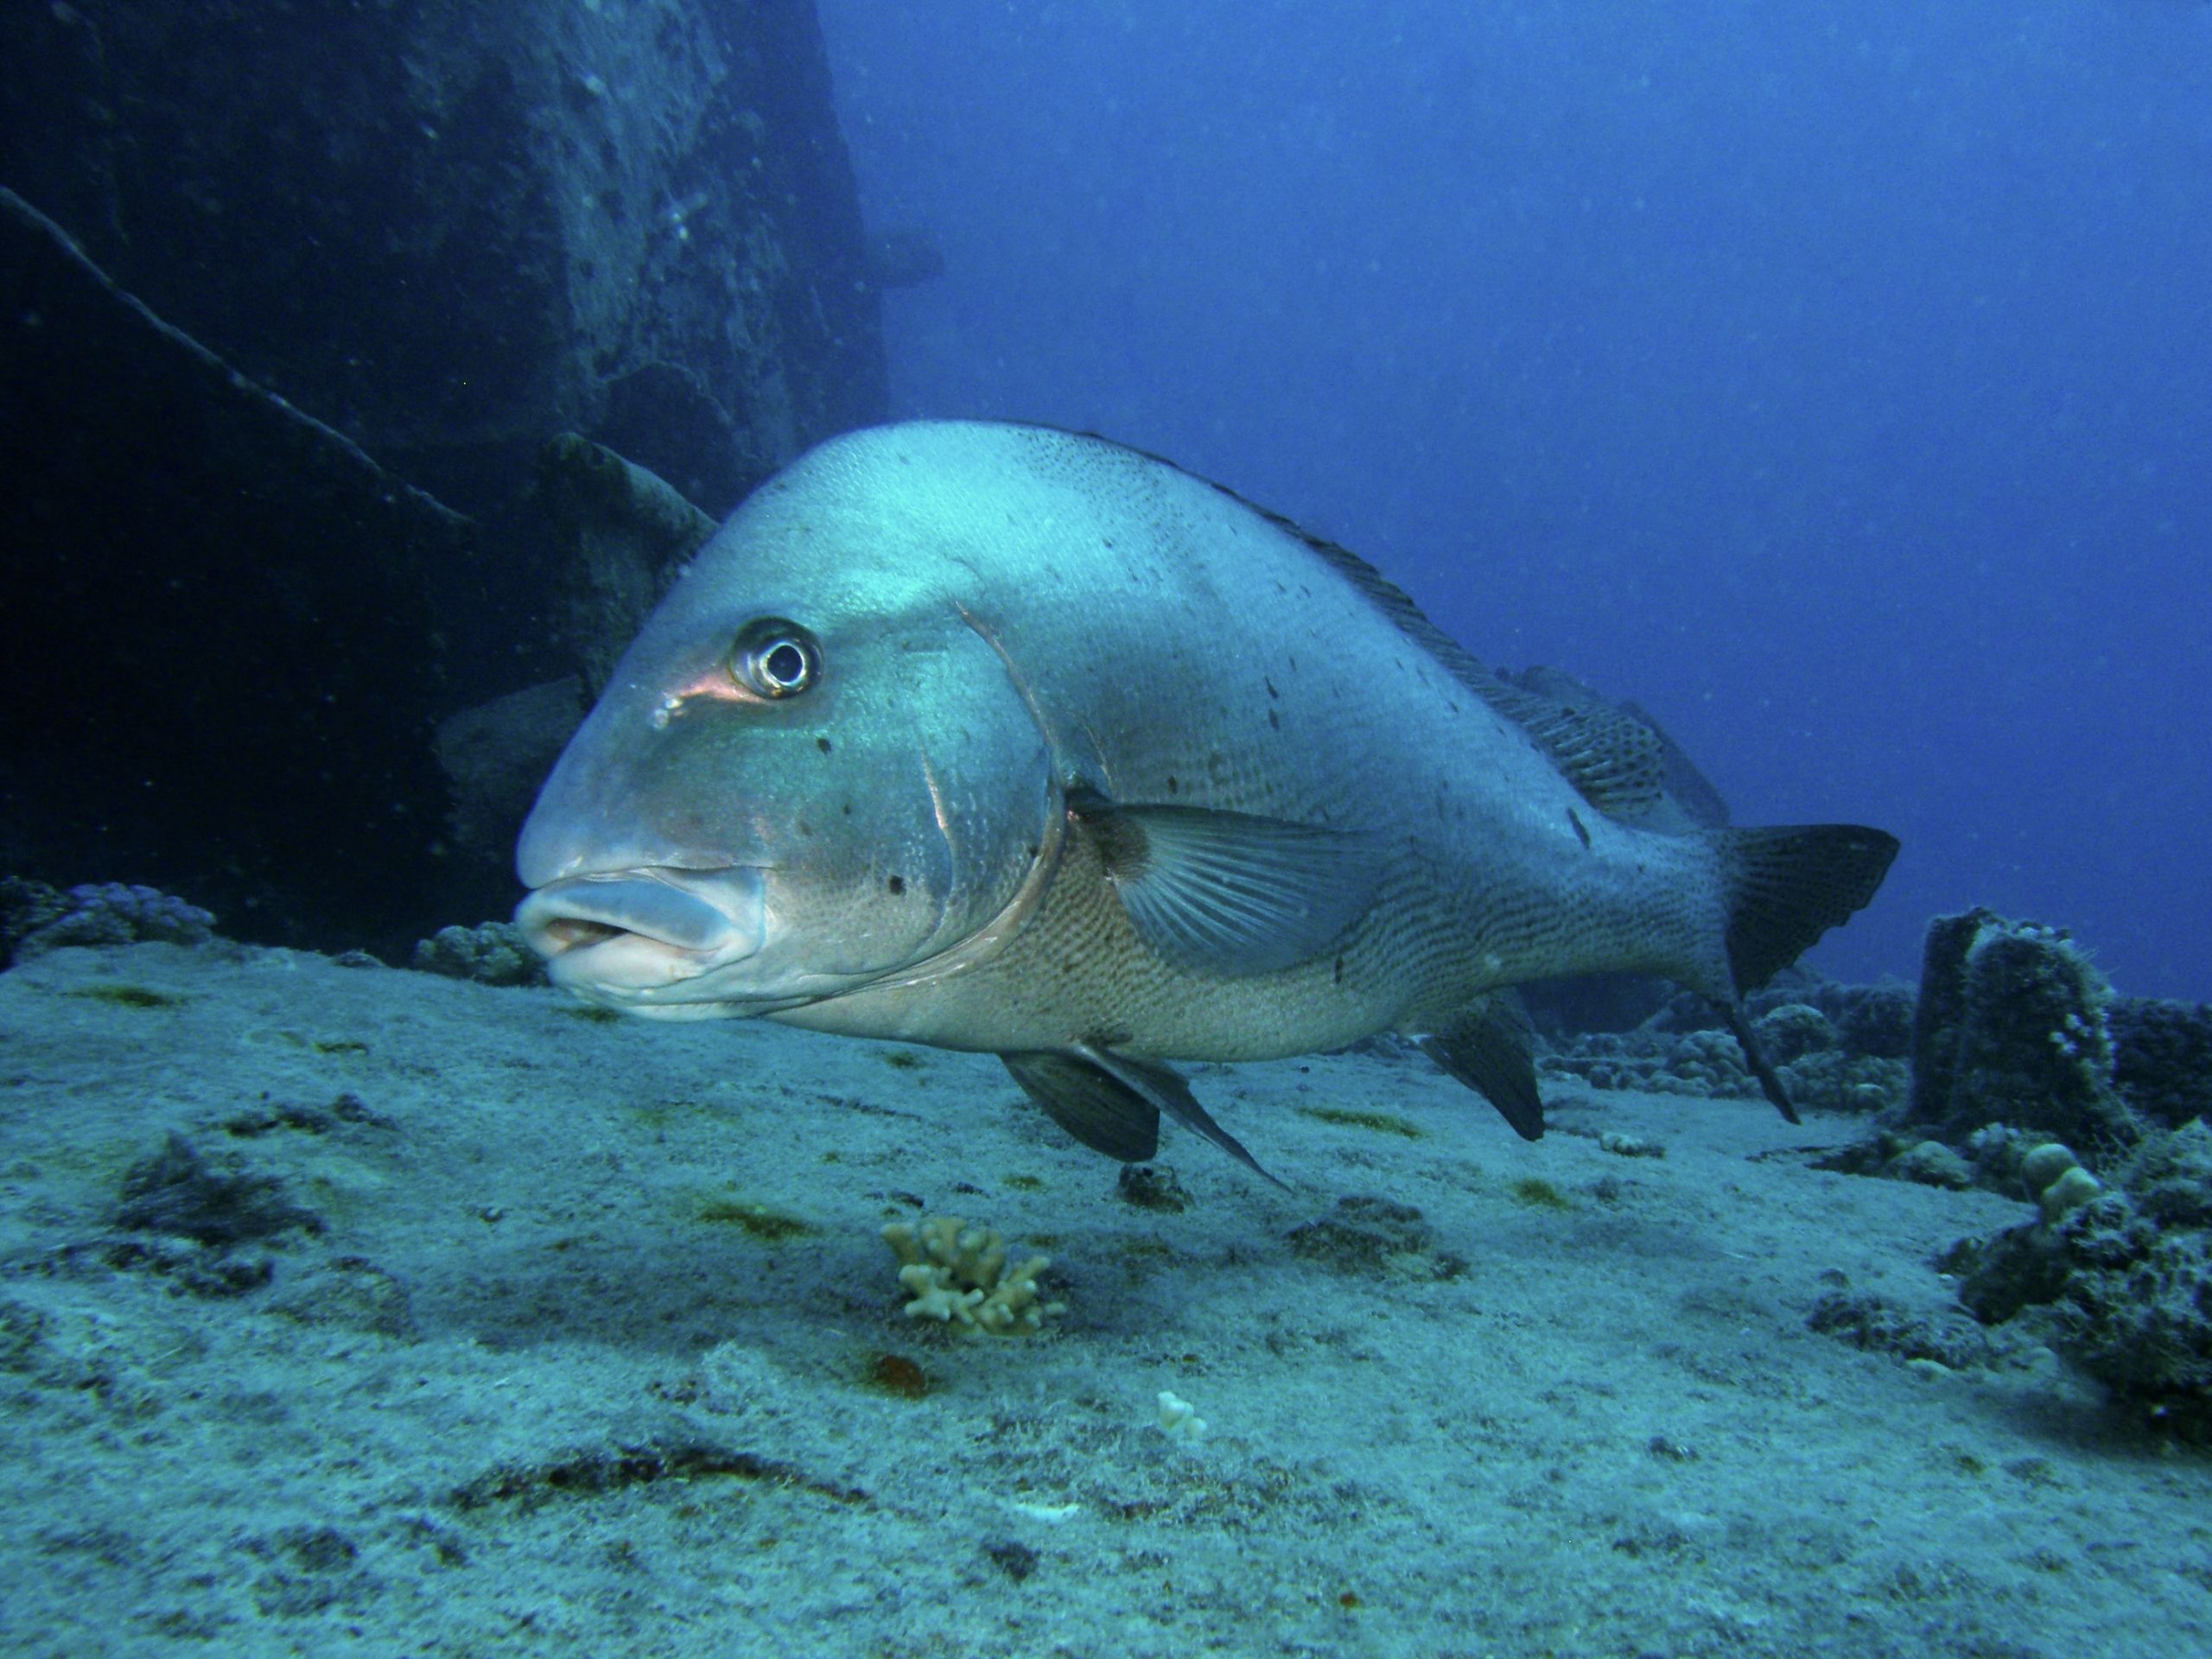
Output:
x,y
530,1389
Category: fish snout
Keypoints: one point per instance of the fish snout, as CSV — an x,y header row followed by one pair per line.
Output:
x,y
621,936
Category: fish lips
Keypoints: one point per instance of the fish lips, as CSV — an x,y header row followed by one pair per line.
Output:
x,y
641,938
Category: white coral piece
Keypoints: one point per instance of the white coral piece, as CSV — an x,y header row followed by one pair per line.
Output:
x,y
958,1274
1179,1419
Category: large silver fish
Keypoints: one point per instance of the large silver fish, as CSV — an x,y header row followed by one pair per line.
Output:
x,y
1002,738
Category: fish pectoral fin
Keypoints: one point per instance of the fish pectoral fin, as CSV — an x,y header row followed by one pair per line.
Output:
x,y
1229,893
1092,1105
1162,1091
1485,1046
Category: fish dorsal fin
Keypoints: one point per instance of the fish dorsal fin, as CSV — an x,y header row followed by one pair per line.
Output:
x,y
1615,761
1618,763
1229,893
1689,790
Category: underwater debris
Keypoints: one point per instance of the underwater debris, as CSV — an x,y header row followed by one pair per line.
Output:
x,y
2122,1269
592,1474
896,1375
2011,1029
175,1190
1367,1234
100,912
620,534
764,1222
1152,1187
288,556
1380,1122
1843,1053
2161,1058
1876,1323
491,954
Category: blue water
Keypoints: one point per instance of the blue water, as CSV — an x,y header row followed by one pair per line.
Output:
x,y
1835,380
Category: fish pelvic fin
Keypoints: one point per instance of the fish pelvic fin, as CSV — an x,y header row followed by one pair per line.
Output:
x,y
1165,1091
1103,1114
1112,1103
1788,884
1486,1046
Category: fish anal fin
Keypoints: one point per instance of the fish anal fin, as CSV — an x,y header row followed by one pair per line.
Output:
x,y
1485,1046
1755,1057
1230,893
1093,1106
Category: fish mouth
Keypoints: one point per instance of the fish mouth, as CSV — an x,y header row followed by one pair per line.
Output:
x,y
633,937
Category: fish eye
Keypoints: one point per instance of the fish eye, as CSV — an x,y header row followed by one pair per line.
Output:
x,y
773,657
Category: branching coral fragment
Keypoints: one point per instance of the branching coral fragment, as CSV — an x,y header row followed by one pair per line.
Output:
x,y
958,1274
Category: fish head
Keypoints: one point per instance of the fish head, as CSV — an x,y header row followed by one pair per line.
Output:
x,y
812,770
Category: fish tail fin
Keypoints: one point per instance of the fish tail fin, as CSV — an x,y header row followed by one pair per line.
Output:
x,y
1788,885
